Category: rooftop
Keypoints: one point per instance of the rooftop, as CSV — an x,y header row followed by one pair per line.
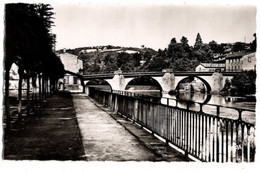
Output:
x,y
209,65
237,55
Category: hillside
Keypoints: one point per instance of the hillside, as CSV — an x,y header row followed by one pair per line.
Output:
x,y
106,59
179,56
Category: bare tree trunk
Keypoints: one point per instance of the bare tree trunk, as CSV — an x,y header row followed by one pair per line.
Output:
x,y
40,89
51,87
48,87
28,94
34,88
43,88
6,99
56,86
19,108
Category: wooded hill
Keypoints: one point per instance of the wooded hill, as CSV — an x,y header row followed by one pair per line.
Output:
x,y
179,56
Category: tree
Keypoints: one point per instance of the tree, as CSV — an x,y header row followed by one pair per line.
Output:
x,y
137,58
110,63
253,44
157,63
245,82
125,62
198,42
238,46
173,41
184,41
213,46
171,47
29,43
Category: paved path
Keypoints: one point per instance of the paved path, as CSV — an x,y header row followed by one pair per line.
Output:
x,y
109,137
103,138
80,129
51,133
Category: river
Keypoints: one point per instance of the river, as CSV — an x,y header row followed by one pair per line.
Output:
x,y
229,103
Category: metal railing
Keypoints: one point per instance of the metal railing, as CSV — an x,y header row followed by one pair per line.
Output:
x,y
208,137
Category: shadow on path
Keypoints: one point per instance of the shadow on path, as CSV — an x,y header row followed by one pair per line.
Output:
x,y
52,133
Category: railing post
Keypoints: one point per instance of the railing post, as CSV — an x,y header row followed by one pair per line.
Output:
x,y
110,99
116,103
217,128
238,146
167,121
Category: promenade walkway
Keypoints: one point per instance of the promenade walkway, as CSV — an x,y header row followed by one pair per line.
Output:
x,y
52,133
110,137
77,128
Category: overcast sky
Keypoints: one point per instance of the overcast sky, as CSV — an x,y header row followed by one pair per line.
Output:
x,y
79,25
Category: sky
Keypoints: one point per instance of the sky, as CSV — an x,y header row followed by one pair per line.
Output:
x,y
80,25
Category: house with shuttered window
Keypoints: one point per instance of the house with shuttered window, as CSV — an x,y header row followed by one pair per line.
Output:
x,y
241,61
73,64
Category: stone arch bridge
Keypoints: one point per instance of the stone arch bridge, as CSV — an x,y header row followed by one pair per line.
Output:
x,y
214,81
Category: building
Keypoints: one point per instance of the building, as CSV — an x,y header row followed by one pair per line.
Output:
x,y
249,61
240,61
14,77
73,64
210,67
233,62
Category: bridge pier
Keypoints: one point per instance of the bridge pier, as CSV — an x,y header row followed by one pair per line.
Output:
x,y
167,82
118,81
216,82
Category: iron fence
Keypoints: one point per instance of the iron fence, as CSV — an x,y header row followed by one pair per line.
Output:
x,y
208,137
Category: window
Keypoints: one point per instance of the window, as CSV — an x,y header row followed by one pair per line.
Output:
x,y
75,80
249,59
66,79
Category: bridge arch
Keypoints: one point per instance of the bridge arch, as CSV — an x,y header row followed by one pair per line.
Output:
x,y
101,83
143,80
207,85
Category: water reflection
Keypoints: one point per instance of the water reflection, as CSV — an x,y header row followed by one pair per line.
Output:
x,y
228,101
245,102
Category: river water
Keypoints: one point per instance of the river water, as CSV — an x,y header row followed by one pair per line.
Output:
x,y
228,103
210,102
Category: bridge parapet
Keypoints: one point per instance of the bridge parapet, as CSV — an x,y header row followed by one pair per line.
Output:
x,y
118,72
